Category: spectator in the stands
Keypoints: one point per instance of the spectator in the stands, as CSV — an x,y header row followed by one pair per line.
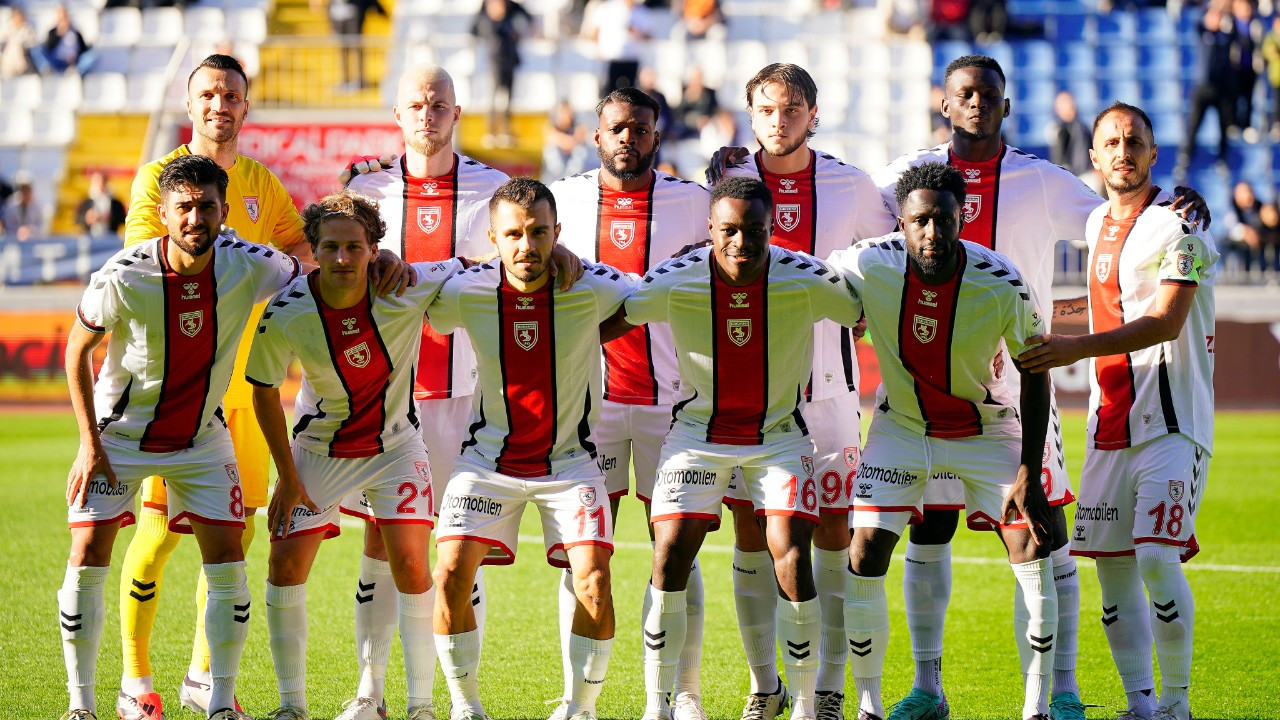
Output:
x,y
1215,86
1247,32
949,20
621,30
565,150
702,18
64,48
1243,227
1271,55
988,20
1270,242
17,41
697,106
500,25
24,217
100,213
1068,137
647,80
722,131
346,17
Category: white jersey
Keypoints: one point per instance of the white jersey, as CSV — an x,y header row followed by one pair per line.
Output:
x,y
1168,387
173,338
1017,204
358,363
745,352
539,361
828,206
936,343
633,232
433,219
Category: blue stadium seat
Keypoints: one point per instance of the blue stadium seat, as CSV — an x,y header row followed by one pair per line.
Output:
x,y
1125,89
1070,28
1158,62
1161,95
1032,97
944,52
1117,28
1117,59
1034,59
1002,52
1085,91
1075,61
1155,27
1170,127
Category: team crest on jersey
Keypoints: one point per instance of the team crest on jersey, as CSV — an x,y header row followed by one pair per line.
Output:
x,y
358,356
622,232
972,207
739,300
788,216
424,470
1177,490
851,457
623,203
739,331
924,328
428,219
1184,264
1102,268
587,496
807,463
251,207
233,473
788,186
526,334
191,322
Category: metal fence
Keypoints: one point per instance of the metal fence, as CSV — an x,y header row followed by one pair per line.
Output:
x,y
340,71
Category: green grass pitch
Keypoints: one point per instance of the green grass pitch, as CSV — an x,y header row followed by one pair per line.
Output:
x,y
1236,580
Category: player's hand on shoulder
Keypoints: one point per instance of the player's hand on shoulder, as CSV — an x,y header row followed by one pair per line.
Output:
x,y
362,164
90,462
391,274
566,266
1026,499
723,159
859,331
1050,351
287,495
1190,205
689,248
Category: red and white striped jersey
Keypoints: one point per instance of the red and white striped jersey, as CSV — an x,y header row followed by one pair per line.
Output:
x,y
1168,387
828,206
432,219
173,338
936,343
539,360
633,232
358,363
745,352
1017,204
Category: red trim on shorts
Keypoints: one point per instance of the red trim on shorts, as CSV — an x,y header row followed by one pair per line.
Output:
x,y
330,531
562,546
916,516
1160,541
488,560
621,493
981,521
353,513
398,521
157,507
1100,553
731,501
789,513
643,499
125,520
684,516
1067,499
190,516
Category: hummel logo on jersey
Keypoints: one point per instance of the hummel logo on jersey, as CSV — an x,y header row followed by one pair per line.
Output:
x,y
191,322
972,175
972,207
350,325
428,219
1112,230
524,302
739,301
929,297
924,328
788,217
622,232
624,203
1102,269
192,289
1177,490
526,334
358,356
739,331
864,490
788,186
430,188
251,207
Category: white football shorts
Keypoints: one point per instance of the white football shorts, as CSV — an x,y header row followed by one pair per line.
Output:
x,y
627,435
1144,494
485,506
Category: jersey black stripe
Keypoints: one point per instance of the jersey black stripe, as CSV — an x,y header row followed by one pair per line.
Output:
x,y
1166,395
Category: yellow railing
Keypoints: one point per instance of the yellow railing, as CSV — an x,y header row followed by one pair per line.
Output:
x,y
332,72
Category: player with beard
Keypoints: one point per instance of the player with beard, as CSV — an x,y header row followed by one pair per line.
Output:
x,y
260,212
1021,206
821,204
632,217
938,309
1151,315
175,307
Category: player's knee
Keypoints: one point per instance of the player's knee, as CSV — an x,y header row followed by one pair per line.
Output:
x,y
453,589
870,551
593,587
832,532
284,567
373,545
91,546
412,573
938,527
1157,563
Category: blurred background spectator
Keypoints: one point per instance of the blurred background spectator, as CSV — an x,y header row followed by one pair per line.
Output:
x,y
1247,32
18,39
1271,58
64,47
1215,85
1068,137
697,106
621,30
1242,229
346,18
101,213
500,25
988,20
24,217
702,18
566,150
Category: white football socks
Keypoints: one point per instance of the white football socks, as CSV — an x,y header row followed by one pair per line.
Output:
x,y
375,625
1172,616
926,587
568,605
589,661
287,630
226,623
1128,628
1035,623
80,613
663,633
687,680
418,642
1066,581
755,593
829,569
460,661
866,623
800,630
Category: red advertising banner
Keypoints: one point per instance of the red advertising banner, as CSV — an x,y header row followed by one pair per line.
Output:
x,y
308,158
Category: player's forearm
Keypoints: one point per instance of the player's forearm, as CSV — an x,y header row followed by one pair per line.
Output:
x,y
270,413
1069,308
1034,411
615,327
79,366
1135,335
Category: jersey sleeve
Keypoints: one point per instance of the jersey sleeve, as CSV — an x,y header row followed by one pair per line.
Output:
x,y
444,313
886,181
143,221
874,215
1068,204
844,263
648,303
274,270
832,298
1024,319
1185,258
431,278
271,352
288,227
99,307
612,286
